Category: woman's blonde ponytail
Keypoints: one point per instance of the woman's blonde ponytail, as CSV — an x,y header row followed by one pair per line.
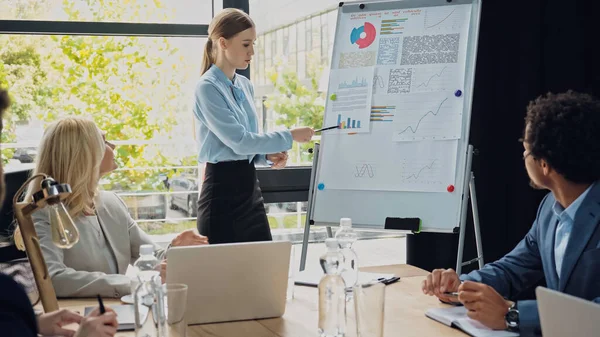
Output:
x,y
207,59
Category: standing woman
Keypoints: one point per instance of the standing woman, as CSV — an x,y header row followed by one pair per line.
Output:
x,y
231,206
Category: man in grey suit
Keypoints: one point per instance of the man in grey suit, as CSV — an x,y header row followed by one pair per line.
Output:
x,y
562,154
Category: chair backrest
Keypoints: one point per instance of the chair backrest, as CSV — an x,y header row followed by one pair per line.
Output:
x,y
14,262
13,181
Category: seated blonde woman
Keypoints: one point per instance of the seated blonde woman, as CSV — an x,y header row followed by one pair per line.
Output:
x,y
75,151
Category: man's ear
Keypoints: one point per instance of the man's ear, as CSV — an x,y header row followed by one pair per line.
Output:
x,y
546,169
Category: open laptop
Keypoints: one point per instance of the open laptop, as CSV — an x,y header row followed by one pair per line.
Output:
x,y
232,282
565,315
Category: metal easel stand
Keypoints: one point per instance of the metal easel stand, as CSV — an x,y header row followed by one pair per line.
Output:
x,y
469,190
309,209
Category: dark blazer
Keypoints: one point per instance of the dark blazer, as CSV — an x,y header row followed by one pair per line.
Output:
x,y
16,313
532,260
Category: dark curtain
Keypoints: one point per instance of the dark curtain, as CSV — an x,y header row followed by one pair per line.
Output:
x,y
525,49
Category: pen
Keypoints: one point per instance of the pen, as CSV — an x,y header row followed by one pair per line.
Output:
x,y
451,293
101,304
388,281
328,128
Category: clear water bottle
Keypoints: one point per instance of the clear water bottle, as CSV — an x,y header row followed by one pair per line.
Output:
x,y
346,237
145,268
147,264
332,295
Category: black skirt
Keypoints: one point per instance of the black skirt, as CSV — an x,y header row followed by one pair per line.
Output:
x,y
231,206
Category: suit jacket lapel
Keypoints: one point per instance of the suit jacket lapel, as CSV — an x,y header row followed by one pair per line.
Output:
x,y
110,240
586,221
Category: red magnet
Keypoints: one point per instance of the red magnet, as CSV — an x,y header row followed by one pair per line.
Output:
x,y
450,188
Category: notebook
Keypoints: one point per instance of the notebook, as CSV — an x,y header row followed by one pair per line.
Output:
x,y
125,315
311,278
456,317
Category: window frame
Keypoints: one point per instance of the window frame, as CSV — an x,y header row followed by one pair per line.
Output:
x,y
286,185
36,27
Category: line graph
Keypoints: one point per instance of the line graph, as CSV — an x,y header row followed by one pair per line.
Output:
x,y
416,175
436,24
435,78
428,117
448,19
416,128
364,171
358,82
426,84
424,171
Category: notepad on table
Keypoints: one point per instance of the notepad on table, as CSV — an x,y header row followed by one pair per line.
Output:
x,y
457,317
125,315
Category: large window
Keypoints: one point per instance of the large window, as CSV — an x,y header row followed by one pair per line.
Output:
x,y
139,90
296,51
130,67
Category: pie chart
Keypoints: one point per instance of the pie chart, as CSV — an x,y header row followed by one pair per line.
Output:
x,y
363,36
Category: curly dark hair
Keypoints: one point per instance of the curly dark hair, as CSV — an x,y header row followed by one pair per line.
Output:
x,y
564,130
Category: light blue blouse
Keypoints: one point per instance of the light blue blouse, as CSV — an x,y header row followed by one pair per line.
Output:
x,y
227,123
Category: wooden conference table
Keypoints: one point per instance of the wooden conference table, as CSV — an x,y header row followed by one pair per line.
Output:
x,y
405,307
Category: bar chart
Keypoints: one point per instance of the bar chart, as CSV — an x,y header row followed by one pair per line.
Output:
x,y
382,113
349,103
347,123
393,26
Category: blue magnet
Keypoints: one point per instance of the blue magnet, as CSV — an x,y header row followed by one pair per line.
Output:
x,y
458,93
321,186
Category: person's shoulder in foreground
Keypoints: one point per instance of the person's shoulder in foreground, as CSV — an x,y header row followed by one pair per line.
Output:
x,y
16,315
